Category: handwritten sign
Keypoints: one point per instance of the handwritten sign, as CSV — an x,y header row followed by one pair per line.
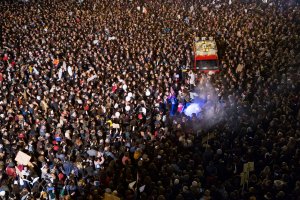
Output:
x,y
248,167
115,125
22,158
243,178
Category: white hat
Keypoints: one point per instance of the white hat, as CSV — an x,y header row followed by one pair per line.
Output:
x,y
144,110
127,108
117,114
2,193
95,41
67,134
116,105
125,87
148,92
128,98
130,94
108,190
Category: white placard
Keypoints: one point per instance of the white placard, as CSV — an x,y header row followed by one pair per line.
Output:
x,y
22,158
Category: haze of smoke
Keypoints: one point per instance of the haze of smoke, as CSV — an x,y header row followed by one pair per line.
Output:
x,y
207,105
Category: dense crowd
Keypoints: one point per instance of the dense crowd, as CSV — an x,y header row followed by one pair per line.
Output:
x,y
85,91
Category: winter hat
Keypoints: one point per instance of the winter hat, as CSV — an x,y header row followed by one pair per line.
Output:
x,y
194,184
185,189
219,152
108,190
127,108
2,193
56,148
137,154
21,135
140,116
148,93
128,98
145,158
60,176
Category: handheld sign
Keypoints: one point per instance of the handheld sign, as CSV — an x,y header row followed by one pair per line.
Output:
x,y
22,158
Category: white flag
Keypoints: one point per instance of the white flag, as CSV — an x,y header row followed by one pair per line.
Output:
x,y
142,188
64,65
59,73
36,71
70,71
130,185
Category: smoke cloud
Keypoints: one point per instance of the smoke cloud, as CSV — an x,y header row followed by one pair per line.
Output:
x,y
206,103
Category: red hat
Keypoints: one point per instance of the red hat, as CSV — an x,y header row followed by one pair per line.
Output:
x,y
56,148
140,116
54,142
60,176
21,135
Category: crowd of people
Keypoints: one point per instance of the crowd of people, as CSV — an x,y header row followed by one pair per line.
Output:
x,y
85,91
